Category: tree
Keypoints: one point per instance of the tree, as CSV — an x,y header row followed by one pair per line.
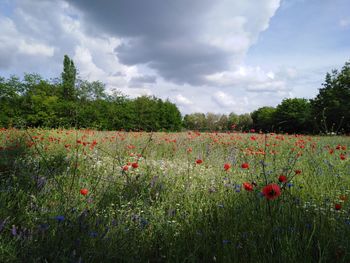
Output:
x,y
245,121
293,115
331,107
263,118
195,121
68,79
232,120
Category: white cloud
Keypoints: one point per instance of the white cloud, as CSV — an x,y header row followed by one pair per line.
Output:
x,y
345,22
182,100
253,79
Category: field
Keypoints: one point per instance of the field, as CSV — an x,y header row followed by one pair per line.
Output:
x,y
89,196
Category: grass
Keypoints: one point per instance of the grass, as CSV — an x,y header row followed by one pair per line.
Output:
x,y
169,208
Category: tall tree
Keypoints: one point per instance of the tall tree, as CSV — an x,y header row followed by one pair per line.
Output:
x,y
331,107
68,79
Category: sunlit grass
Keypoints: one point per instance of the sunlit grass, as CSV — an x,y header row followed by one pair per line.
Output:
x,y
168,207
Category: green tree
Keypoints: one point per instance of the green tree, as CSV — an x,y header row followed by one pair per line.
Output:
x,y
195,121
293,116
68,79
331,107
245,122
263,118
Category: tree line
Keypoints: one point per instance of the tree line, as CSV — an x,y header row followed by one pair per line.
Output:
x,y
71,102
328,112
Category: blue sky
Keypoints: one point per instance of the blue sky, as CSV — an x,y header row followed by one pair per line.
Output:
x,y
206,56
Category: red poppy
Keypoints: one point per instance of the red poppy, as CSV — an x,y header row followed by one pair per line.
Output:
x,y
247,186
135,165
125,168
245,165
84,191
271,191
297,171
227,166
337,206
342,157
199,161
282,178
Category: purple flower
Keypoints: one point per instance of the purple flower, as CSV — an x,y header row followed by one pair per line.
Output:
x,y
59,218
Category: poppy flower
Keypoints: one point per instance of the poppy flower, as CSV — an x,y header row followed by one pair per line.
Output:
x,y
247,186
245,165
199,161
227,166
135,165
125,168
282,179
271,191
84,191
337,206
297,171
342,157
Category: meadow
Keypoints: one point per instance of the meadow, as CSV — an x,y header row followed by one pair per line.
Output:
x,y
93,196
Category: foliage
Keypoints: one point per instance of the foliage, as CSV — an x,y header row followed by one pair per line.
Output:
x,y
331,107
35,102
263,119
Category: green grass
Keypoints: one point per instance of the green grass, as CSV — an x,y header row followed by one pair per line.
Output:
x,y
171,209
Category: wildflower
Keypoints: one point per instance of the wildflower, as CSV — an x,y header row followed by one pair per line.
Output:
x,y
342,157
189,150
245,165
227,166
247,186
343,197
59,218
282,179
199,161
337,206
84,191
135,165
297,171
271,191
125,168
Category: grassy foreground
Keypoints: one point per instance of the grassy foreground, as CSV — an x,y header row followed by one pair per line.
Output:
x,y
88,196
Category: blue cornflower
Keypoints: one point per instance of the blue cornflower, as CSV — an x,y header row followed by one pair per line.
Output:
x,y
93,234
59,218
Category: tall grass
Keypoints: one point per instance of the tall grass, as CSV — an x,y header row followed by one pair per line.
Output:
x,y
169,208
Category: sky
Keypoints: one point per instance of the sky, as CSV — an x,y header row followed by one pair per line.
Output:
x,y
217,56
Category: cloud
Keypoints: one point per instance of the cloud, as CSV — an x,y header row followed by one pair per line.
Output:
x,y
252,79
143,79
182,100
183,41
344,23
13,44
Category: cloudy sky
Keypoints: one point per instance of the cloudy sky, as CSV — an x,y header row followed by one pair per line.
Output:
x,y
206,56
